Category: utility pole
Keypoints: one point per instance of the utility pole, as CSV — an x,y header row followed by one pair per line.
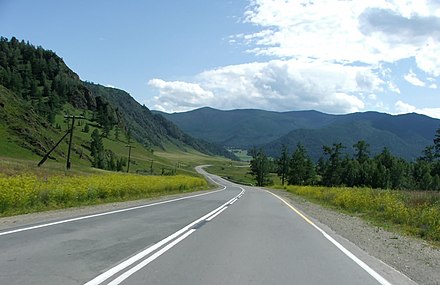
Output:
x,y
151,166
129,156
68,163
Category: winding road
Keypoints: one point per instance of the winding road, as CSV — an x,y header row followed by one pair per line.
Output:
x,y
233,235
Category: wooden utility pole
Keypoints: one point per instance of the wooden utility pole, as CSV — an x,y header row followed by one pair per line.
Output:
x,y
151,166
69,131
68,162
129,156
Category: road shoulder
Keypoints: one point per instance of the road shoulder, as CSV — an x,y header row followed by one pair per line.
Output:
x,y
413,257
67,213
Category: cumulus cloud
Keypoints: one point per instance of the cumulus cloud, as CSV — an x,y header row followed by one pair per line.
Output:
x,y
348,31
179,96
328,55
412,78
273,85
403,108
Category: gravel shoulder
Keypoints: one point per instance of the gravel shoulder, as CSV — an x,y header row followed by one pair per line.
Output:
x,y
414,257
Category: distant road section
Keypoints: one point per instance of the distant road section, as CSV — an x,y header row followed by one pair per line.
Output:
x,y
237,235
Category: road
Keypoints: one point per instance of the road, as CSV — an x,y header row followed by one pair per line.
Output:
x,y
235,235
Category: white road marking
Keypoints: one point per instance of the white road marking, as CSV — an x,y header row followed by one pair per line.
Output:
x,y
216,214
103,214
112,271
144,263
233,201
353,257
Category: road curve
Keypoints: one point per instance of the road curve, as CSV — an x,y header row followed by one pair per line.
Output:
x,y
237,235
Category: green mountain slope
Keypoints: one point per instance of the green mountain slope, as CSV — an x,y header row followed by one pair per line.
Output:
x,y
148,128
405,135
37,89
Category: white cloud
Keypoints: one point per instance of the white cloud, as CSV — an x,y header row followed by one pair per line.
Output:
x,y
412,78
393,87
428,58
178,96
348,31
403,108
329,55
273,85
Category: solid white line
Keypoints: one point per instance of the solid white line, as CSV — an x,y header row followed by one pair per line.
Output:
x,y
144,263
104,214
112,271
233,201
353,257
216,214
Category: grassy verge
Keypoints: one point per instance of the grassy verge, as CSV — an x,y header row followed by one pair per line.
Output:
x,y
416,213
233,171
29,193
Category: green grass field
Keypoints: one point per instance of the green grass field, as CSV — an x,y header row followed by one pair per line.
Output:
x,y
28,193
233,171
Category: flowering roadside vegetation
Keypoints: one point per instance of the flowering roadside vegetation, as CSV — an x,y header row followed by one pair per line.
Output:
x,y
417,213
28,193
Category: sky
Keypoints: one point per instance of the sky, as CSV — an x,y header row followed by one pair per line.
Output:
x,y
334,56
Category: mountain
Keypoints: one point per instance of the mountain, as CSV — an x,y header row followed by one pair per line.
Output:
x,y
244,128
148,128
37,88
405,135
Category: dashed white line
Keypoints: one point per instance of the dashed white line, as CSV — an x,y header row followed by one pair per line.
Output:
x,y
172,240
104,214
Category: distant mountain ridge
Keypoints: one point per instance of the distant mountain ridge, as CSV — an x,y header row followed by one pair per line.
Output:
x,y
405,135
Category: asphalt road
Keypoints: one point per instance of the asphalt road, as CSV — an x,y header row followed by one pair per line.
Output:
x,y
237,235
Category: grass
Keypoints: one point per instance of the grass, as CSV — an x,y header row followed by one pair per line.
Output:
x,y
233,171
28,193
415,213
241,154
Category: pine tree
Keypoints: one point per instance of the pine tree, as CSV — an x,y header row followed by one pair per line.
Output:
x,y
97,150
362,152
437,143
260,167
333,170
301,168
283,164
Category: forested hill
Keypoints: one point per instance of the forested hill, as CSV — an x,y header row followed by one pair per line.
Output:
x,y
405,135
36,86
147,127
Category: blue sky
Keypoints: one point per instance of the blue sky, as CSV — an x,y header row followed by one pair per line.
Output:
x,y
329,55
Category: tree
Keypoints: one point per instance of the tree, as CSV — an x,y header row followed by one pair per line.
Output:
x,y
437,143
351,172
362,152
301,168
128,135
283,164
260,167
117,133
86,128
428,154
333,169
97,150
